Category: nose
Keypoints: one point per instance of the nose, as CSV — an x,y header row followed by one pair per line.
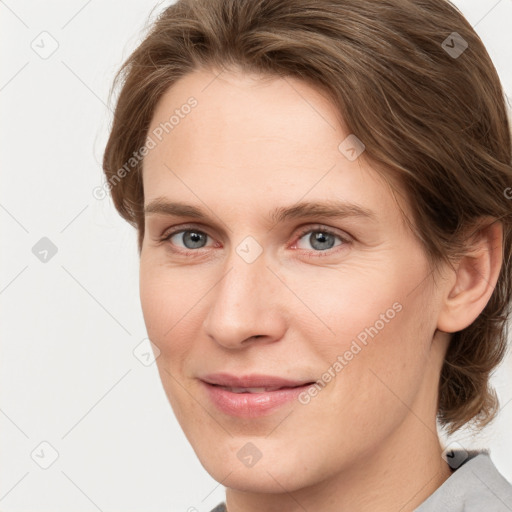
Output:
x,y
247,305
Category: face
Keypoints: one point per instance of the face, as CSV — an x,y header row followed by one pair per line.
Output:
x,y
291,261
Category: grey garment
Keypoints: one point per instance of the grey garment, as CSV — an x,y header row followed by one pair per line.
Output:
x,y
221,507
475,486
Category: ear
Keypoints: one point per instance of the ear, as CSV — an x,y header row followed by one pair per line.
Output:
x,y
473,278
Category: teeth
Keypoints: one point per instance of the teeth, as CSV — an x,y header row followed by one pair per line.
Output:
x,y
249,390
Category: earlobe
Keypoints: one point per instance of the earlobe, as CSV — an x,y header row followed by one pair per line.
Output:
x,y
474,278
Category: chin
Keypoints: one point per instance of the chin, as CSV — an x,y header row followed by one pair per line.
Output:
x,y
262,479
277,467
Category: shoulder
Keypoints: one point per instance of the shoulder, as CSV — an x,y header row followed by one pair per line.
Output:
x,y
475,486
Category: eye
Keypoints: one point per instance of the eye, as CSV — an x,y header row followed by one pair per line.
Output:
x,y
320,239
190,238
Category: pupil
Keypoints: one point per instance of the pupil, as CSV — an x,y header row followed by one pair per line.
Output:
x,y
322,238
194,238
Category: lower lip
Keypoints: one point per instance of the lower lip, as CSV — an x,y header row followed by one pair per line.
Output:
x,y
251,405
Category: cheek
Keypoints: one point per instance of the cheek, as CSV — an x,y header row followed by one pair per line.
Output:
x,y
174,303
156,302
372,368
348,304
370,331
168,310
166,303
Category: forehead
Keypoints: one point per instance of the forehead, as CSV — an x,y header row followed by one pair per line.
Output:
x,y
234,108
248,135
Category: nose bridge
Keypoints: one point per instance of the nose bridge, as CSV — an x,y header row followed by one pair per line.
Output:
x,y
244,301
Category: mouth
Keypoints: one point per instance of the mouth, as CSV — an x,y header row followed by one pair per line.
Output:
x,y
259,389
254,383
253,401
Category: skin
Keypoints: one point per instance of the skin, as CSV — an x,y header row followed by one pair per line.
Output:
x,y
368,440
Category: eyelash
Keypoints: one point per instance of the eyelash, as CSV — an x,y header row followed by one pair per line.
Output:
x,y
310,229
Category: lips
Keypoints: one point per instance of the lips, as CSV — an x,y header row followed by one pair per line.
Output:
x,y
253,383
251,396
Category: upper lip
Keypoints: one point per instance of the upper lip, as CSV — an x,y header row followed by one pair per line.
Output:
x,y
252,381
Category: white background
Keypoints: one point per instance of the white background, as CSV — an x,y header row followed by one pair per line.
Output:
x,y
69,326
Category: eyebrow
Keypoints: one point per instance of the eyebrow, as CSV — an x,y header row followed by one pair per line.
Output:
x,y
327,209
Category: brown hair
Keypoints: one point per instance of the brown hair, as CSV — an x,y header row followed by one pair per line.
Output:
x,y
429,110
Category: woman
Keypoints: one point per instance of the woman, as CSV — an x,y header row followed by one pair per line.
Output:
x,y
320,193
